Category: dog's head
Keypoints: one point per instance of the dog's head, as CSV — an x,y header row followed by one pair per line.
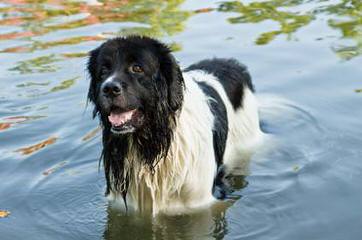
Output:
x,y
134,81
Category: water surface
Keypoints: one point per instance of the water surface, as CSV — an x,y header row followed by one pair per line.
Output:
x,y
305,60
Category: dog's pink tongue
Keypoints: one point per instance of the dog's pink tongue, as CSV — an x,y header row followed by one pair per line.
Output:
x,y
118,119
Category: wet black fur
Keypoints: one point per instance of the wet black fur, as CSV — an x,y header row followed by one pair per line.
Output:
x,y
220,129
233,76
220,133
164,86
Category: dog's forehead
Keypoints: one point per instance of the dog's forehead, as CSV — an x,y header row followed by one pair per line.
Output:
x,y
137,54
128,52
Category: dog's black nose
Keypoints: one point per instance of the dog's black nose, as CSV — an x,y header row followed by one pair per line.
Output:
x,y
112,88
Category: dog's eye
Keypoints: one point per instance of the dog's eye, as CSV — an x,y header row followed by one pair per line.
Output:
x,y
136,69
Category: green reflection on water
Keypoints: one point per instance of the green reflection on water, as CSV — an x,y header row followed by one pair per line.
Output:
x,y
29,19
37,65
75,55
30,84
257,12
345,15
64,84
349,22
160,17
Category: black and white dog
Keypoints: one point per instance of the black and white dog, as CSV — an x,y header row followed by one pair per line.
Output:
x,y
166,131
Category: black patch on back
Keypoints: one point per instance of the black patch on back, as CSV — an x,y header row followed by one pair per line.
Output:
x,y
219,132
232,75
220,128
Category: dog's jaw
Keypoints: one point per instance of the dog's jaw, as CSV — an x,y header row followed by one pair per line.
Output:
x,y
124,130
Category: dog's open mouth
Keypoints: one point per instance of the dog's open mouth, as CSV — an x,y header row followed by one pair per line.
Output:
x,y
124,121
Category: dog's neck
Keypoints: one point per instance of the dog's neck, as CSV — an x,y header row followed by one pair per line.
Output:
x,y
141,149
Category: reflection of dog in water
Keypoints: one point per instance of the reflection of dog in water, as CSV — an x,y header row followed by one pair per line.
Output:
x,y
207,223
167,133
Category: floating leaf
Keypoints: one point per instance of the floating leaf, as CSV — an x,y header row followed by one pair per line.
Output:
x,y
358,90
4,213
36,147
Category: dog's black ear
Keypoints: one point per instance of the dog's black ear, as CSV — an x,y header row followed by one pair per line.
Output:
x,y
92,67
173,75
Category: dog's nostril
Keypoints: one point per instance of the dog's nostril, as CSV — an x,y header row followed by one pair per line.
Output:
x,y
112,88
106,89
116,89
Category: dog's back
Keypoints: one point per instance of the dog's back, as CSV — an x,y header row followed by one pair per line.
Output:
x,y
232,75
242,118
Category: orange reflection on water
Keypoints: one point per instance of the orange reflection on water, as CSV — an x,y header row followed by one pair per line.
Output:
x,y
10,121
37,147
4,126
91,134
34,17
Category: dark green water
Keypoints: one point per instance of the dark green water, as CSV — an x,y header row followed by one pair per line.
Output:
x,y
306,185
